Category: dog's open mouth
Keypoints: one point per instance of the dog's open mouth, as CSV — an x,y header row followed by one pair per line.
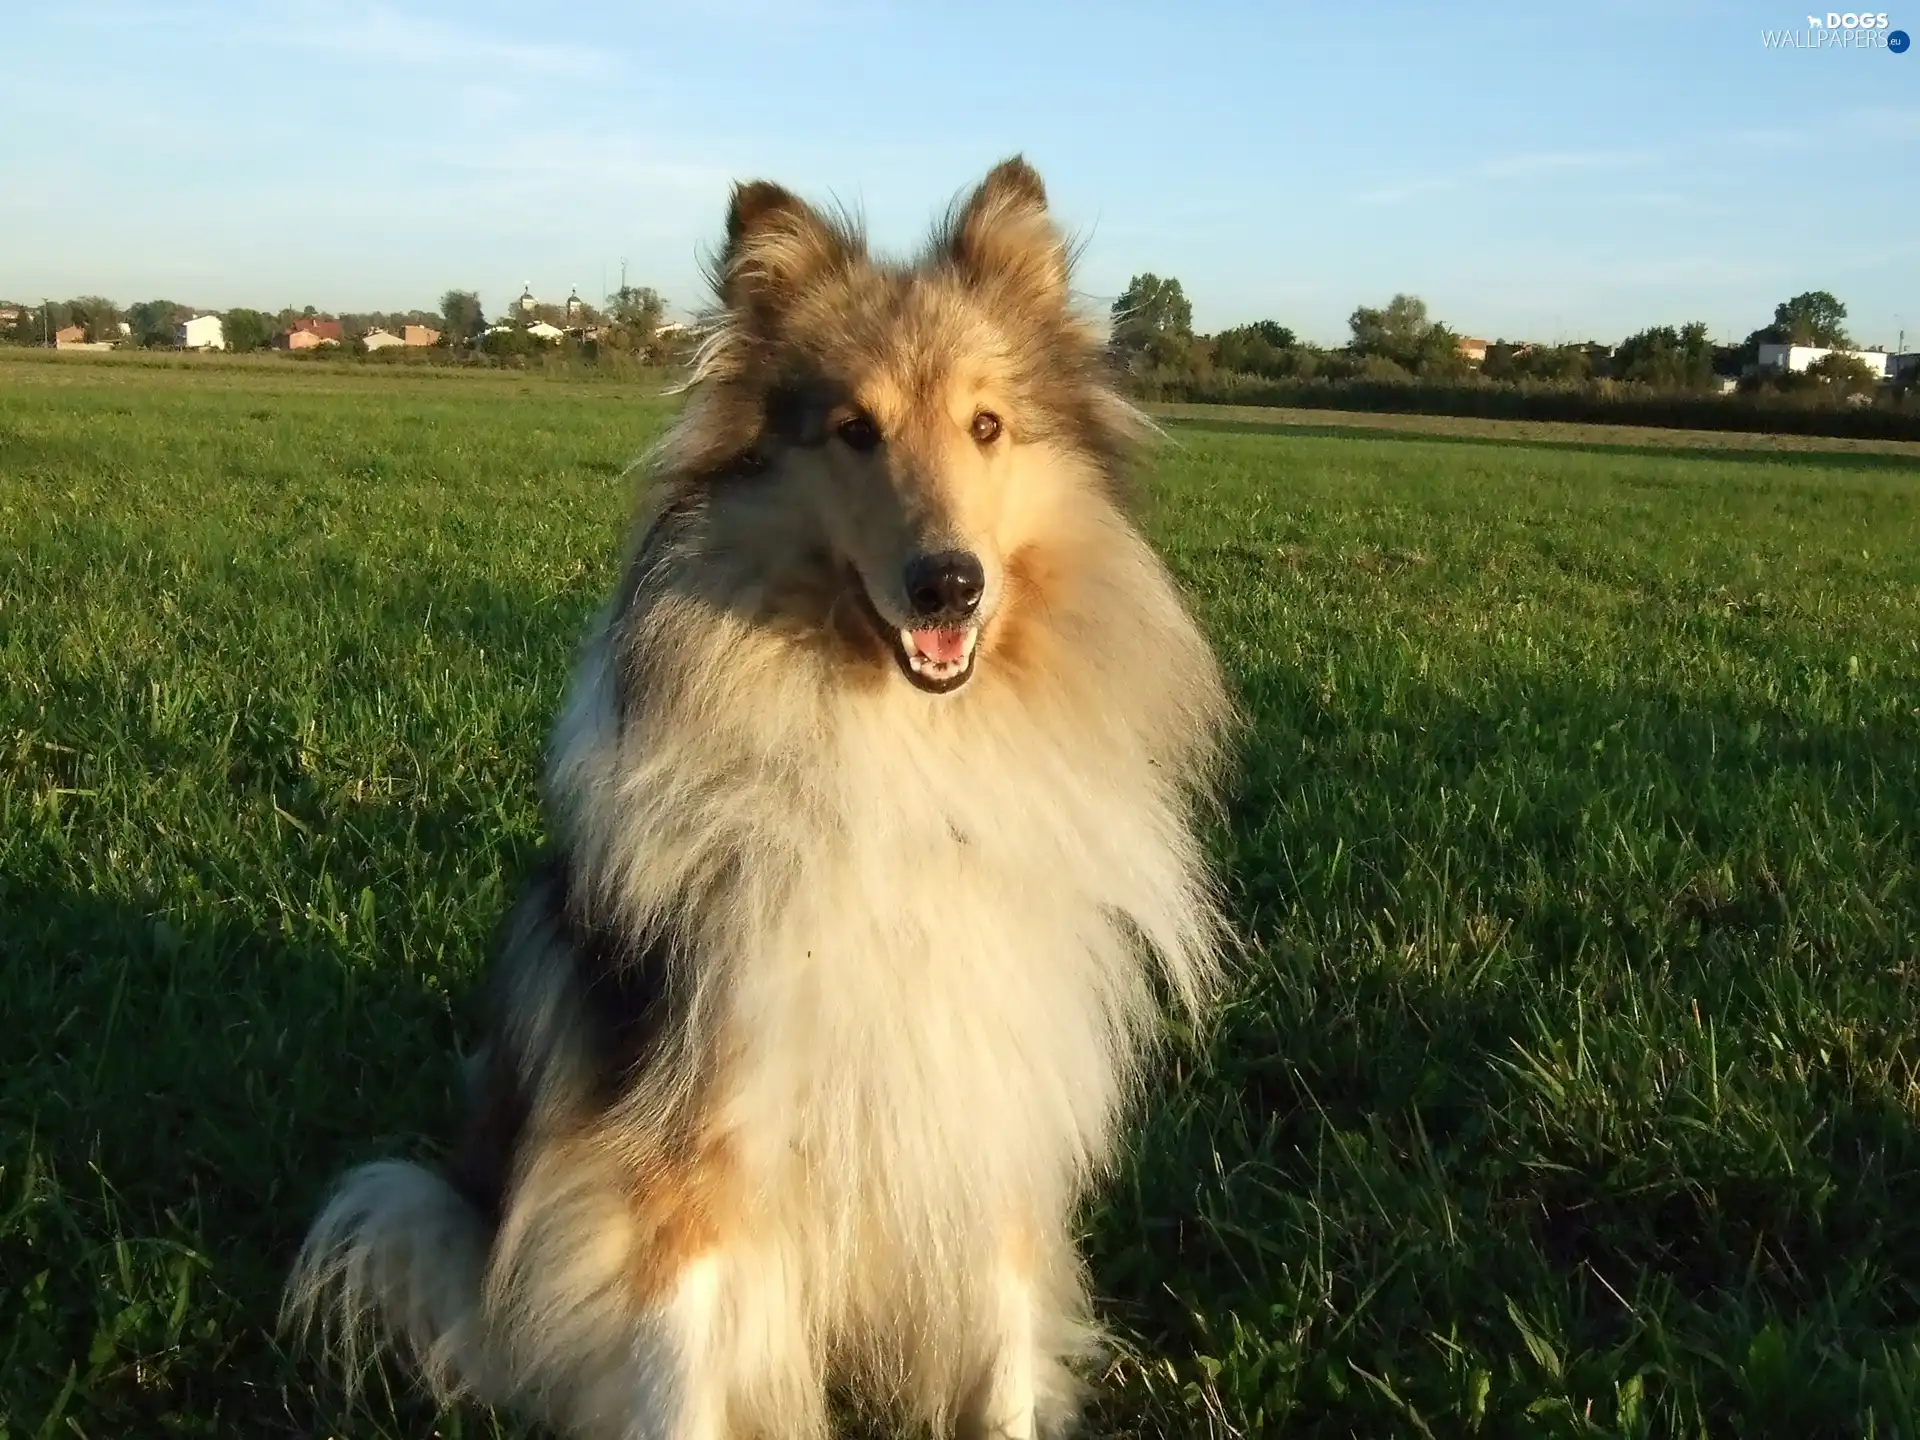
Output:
x,y
938,660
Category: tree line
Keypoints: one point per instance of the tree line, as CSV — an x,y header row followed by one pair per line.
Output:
x,y
626,325
1399,357
1153,336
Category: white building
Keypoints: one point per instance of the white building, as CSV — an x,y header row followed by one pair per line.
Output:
x,y
1796,358
202,332
378,339
541,330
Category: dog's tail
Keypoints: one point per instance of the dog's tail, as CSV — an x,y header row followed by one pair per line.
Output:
x,y
397,1253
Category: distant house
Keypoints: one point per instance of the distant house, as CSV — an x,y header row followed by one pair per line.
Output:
x,y
419,335
1792,359
377,339
541,330
1727,383
1905,366
74,337
673,327
202,332
1472,349
309,332
10,314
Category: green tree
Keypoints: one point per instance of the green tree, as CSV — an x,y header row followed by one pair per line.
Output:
x,y
1546,364
248,329
511,341
1565,363
24,328
1376,367
1667,359
1151,307
633,317
1844,374
99,315
1394,332
464,320
1153,325
152,322
1264,348
1812,318
54,316
1401,332
1436,355
1275,334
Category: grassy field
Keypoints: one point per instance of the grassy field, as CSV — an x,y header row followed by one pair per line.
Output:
x,y
1571,1088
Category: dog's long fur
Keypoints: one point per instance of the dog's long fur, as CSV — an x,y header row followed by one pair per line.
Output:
x,y
821,1017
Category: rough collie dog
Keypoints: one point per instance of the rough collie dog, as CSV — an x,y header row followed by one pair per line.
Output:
x,y
872,813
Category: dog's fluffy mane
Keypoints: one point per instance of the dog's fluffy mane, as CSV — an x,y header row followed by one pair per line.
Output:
x,y
861,975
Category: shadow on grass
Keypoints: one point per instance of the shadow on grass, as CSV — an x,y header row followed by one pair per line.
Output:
x,y
180,1088
1616,1037
1870,461
200,1039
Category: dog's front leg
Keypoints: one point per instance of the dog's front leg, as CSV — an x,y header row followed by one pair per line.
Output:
x,y
1002,1408
722,1352
612,1334
680,1363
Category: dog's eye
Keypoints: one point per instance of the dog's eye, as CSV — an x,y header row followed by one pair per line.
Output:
x,y
859,432
986,427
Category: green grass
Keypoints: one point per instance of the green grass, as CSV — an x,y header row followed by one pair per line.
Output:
x,y
1570,1088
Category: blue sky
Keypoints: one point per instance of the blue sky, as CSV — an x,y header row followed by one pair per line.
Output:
x,y
1546,171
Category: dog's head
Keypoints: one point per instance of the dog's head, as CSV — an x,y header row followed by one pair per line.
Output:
x,y
919,422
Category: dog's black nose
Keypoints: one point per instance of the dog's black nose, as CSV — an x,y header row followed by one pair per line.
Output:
x,y
946,586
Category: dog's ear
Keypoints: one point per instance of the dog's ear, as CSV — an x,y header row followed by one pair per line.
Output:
x,y
1004,232
776,244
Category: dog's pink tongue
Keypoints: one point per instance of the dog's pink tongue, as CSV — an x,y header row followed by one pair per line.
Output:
x,y
945,646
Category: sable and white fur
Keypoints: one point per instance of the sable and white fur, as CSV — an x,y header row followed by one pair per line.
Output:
x,y
821,1018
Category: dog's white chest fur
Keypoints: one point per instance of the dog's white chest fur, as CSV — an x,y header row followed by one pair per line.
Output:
x,y
939,996
930,1010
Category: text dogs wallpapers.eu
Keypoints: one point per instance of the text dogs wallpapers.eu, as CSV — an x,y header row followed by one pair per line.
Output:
x,y
873,812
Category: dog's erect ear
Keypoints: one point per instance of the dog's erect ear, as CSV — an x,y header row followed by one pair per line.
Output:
x,y
1004,232
776,243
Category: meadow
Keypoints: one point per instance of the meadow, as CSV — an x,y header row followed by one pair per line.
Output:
x,y
1568,1087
